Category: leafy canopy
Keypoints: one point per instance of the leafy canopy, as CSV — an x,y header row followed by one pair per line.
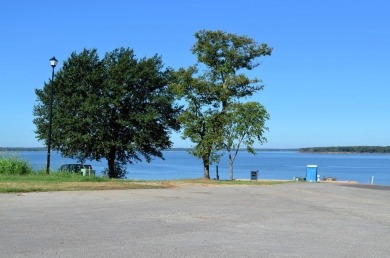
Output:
x,y
244,125
118,108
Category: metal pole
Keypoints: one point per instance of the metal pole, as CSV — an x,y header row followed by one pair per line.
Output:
x,y
50,122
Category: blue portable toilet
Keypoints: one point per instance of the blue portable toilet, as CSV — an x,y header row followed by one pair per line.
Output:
x,y
311,173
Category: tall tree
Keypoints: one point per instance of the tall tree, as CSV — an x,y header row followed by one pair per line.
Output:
x,y
223,57
119,108
244,125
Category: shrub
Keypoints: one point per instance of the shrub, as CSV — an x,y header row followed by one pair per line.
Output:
x,y
12,165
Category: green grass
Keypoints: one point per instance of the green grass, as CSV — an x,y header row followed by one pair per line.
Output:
x,y
55,182
67,182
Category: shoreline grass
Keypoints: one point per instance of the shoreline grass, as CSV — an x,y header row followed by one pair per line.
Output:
x,y
50,183
53,182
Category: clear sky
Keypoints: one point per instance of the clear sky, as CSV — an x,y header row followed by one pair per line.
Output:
x,y
327,81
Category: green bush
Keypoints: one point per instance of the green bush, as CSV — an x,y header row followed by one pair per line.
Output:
x,y
12,165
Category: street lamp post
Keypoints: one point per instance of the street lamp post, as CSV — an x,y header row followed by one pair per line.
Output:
x,y
53,63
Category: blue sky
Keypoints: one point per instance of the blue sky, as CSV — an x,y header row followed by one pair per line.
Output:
x,y
327,81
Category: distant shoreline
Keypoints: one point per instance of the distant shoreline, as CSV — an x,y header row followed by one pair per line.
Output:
x,y
347,149
22,148
172,149
320,150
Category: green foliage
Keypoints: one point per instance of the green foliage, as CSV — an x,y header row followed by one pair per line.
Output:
x,y
208,94
244,125
226,50
118,108
12,165
225,55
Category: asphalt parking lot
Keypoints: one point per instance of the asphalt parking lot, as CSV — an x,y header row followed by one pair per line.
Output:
x,y
286,220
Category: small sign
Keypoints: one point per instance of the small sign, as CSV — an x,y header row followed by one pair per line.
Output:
x,y
254,174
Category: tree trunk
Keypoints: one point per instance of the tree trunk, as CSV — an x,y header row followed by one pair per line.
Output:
x,y
206,167
111,164
231,161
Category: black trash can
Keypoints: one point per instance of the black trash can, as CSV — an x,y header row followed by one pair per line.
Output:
x,y
254,174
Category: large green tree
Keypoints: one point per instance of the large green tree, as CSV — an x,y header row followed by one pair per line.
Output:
x,y
216,81
118,108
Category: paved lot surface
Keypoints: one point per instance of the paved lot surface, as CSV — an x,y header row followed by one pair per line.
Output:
x,y
290,220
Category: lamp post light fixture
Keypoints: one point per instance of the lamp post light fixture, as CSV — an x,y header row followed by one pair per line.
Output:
x,y
53,63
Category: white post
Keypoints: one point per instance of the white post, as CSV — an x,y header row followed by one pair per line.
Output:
x,y
372,180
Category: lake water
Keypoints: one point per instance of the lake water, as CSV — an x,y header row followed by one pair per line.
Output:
x,y
270,164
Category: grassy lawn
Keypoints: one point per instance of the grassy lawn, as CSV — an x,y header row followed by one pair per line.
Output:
x,y
48,183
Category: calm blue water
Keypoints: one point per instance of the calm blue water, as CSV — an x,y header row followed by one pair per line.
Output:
x,y
270,164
